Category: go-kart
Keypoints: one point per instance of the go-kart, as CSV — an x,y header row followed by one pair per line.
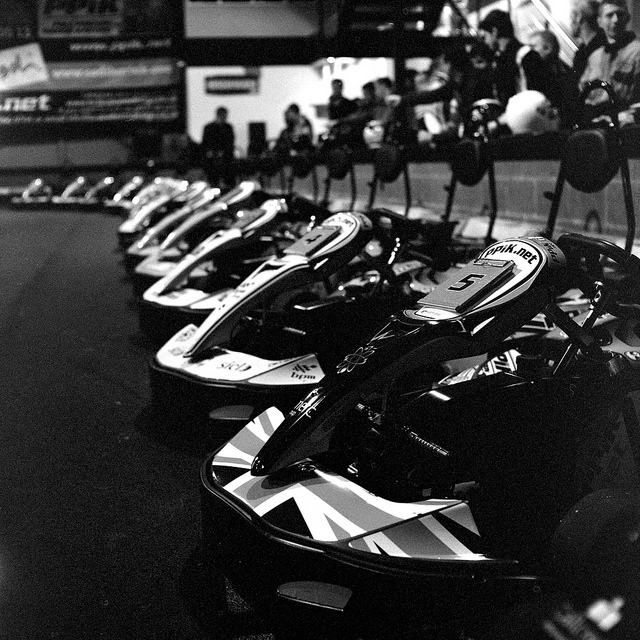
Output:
x,y
207,274
81,195
94,197
152,239
37,193
121,201
275,334
190,232
152,203
385,504
72,192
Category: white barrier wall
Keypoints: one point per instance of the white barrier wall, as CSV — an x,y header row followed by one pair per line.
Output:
x,y
520,186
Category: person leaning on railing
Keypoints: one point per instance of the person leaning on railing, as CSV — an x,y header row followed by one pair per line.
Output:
x,y
584,27
616,62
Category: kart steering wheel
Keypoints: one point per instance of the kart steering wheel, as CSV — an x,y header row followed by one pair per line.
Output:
x,y
608,292
573,244
584,255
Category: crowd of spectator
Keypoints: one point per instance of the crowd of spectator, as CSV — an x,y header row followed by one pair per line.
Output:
x,y
438,104
498,67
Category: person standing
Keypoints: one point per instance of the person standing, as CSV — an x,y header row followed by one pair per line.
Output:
x,y
218,144
616,62
584,26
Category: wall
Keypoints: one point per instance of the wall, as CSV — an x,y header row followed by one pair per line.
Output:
x,y
62,155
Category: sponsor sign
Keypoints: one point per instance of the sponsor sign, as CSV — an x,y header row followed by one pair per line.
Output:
x,y
76,107
116,74
22,66
232,84
80,18
88,62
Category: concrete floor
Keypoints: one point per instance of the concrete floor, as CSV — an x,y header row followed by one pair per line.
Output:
x,y
99,506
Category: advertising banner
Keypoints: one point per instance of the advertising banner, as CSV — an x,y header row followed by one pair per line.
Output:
x,y
20,66
100,93
66,64
87,107
80,19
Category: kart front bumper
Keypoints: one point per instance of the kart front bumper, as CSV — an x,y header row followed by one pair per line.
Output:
x,y
160,322
344,591
198,400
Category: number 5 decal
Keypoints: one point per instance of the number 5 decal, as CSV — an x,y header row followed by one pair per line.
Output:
x,y
466,282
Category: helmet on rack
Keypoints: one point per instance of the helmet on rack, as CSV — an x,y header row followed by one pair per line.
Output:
x,y
531,112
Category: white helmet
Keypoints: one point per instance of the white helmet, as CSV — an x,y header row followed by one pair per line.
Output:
x,y
373,134
531,112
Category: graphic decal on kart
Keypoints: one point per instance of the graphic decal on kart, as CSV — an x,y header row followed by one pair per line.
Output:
x,y
450,532
482,282
362,354
333,508
235,366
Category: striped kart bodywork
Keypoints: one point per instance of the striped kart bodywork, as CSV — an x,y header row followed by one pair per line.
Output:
x,y
326,507
235,367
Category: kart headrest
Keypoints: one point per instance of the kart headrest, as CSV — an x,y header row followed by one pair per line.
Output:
x,y
469,161
302,162
338,163
270,163
591,158
389,162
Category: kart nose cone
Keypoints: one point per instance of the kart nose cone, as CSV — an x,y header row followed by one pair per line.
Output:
x,y
259,467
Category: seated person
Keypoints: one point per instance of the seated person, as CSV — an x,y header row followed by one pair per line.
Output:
x,y
456,82
297,134
350,128
339,106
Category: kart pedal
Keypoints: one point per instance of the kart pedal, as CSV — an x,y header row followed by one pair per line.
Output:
x,y
316,594
233,413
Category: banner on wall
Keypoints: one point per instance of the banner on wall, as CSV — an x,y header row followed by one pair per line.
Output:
x,y
233,84
149,106
21,66
78,65
84,19
74,93
89,29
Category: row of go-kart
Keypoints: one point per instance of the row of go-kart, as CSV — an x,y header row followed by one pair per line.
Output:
x,y
414,436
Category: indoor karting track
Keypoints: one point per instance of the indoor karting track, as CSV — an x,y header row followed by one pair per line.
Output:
x,y
99,507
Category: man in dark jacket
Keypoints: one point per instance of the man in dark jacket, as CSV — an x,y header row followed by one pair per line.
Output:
x,y
218,143
515,67
584,27
339,106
